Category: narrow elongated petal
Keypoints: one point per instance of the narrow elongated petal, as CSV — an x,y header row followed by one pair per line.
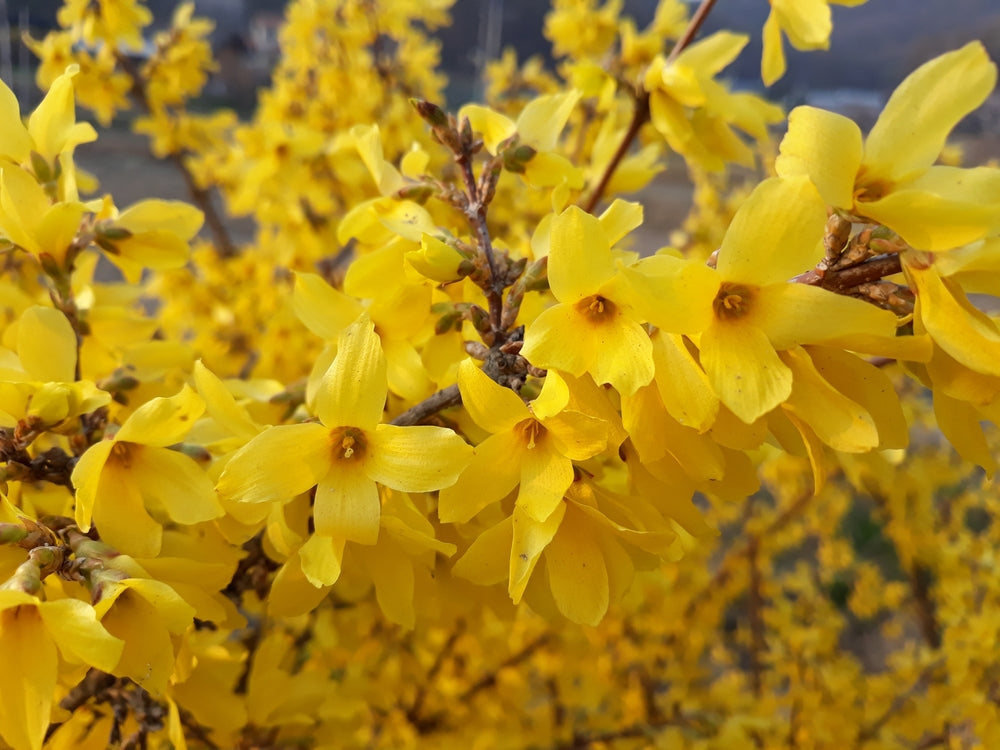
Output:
x,y
491,406
545,477
494,127
672,293
624,357
684,388
24,203
324,310
163,421
493,471
792,314
772,61
744,370
957,327
154,215
322,558
148,656
959,422
620,218
713,53
46,344
278,464
392,573
121,516
808,23
529,541
580,261
13,135
293,592
923,110
560,337
542,119
416,459
487,560
775,233
944,208
825,147
28,677
353,391
576,435
577,573
53,126
78,634
86,478
176,483
347,504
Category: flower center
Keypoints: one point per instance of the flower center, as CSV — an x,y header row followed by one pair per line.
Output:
x,y
348,442
596,307
869,189
531,432
733,300
122,453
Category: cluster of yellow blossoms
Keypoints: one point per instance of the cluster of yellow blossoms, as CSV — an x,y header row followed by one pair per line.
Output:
x,y
307,491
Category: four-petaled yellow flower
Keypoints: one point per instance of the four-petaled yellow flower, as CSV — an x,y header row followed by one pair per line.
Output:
x,y
348,453
889,178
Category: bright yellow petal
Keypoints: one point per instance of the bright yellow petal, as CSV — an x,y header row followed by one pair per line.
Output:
x,y
624,355
416,459
177,484
53,125
347,504
545,477
580,260
491,406
560,337
957,327
487,560
80,637
13,135
86,478
577,573
715,52
684,388
576,435
353,391
149,216
28,678
825,147
392,573
744,370
542,119
324,310
620,218
493,471
944,208
494,127
148,656
923,110
163,421
959,422
792,314
775,234
121,516
671,293
278,464
321,562
46,344
772,61
530,539
24,203
808,23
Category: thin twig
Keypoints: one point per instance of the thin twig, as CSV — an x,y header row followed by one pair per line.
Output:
x,y
641,113
443,399
489,679
844,279
871,731
413,713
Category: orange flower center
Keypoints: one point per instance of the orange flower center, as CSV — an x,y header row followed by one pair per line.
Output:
x,y
348,442
732,301
121,452
531,432
596,307
869,189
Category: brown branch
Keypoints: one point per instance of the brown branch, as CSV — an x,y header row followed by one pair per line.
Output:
x,y
443,399
224,245
489,679
641,113
755,607
475,212
919,577
845,279
871,731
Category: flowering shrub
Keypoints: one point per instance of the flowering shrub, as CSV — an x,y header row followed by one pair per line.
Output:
x,y
451,453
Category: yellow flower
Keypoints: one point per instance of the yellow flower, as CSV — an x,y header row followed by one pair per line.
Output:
x,y
531,445
120,480
806,23
348,453
889,178
32,633
592,329
746,310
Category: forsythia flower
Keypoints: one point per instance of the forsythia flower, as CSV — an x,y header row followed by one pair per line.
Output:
x,y
889,178
806,23
348,453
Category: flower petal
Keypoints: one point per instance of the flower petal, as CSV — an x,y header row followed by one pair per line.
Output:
x,y
177,484
624,355
924,108
493,471
163,421
278,464
560,337
744,370
120,514
580,260
672,293
577,573
792,314
775,234
353,391
347,505
772,61
324,310
46,345
321,558
486,561
529,541
491,406
78,634
415,459
545,477
826,147
944,208
28,678
808,23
